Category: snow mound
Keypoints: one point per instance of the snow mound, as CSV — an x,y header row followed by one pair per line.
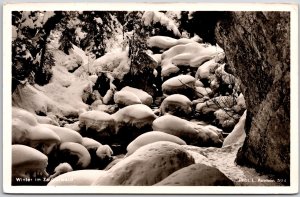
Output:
x,y
90,143
96,120
126,98
26,161
104,151
151,137
61,169
176,104
138,115
152,17
165,42
197,175
238,134
207,70
77,178
178,84
84,158
65,134
191,133
191,54
24,115
116,62
147,165
144,97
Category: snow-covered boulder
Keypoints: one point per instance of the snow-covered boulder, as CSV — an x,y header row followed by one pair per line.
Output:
x,y
151,137
126,98
197,175
38,136
147,165
96,124
46,120
27,161
144,97
191,54
72,62
24,115
138,115
61,169
212,105
238,133
207,70
165,42
181,84
77,178
202,91
176,104
104,151
73,126
65,134
168,69
226,117
191,133
90,143
74,149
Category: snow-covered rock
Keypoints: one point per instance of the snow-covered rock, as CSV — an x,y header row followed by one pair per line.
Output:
x,y
197,175
138,115
151,137
38,136
212,105
46,120
176,104
202,92
104,151
77,178
78,150
65,134
192,54
181,84
96,123
226,118
165,42
238,133
26,161
207,69
24,115
72,62
191,133
147,165
73,126
90,143
126,98
144,97
61,169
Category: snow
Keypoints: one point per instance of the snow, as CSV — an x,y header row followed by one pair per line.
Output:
x,y
24,155
178,82
14,30
176,103
202,91
65,134
61,169
126,98
191,54
84,157
134,114
104,151
168,69
116,63
150,137
24,115
152,17
96,120
77,178
165,42
191,132
207,69
79,52
238,133
90,143
143,96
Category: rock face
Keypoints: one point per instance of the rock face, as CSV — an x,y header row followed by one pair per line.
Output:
x,y
257,48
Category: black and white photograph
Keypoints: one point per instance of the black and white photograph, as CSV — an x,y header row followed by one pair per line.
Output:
x,y
169,98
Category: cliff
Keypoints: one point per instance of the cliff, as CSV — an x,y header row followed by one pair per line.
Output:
x,y
257,47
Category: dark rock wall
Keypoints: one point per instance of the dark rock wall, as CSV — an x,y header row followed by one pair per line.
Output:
x,y
257,48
